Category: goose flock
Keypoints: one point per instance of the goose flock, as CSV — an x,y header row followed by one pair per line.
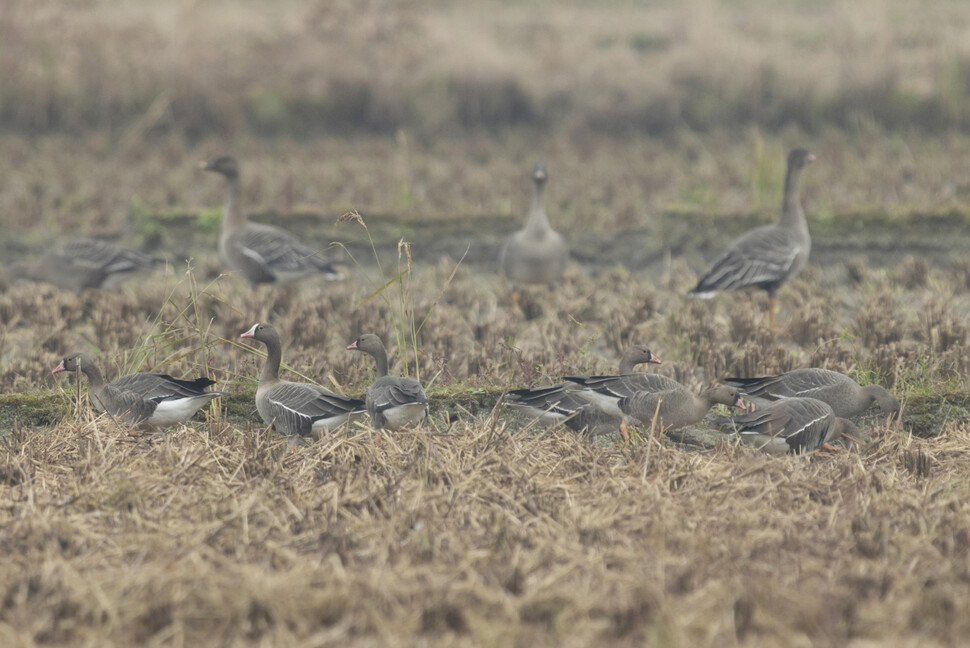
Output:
x,y
800,411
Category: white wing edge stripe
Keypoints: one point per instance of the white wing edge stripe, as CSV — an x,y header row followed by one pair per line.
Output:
x,y
807,425
290,409
253,254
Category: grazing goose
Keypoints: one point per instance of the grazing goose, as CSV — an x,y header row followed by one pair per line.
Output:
x,y
768,256
393,402
791,425
846,397
296,409
676,406
262,253
142,398
85,263
536,254
561,404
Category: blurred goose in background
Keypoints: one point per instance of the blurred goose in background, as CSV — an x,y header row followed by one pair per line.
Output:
x,y
846,397
791,425
536,254
142,398
296,409
561,404
768,256
85,263
675,407
262,253
393,402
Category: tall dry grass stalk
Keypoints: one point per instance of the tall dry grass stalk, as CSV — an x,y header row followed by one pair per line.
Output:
x,y
406,326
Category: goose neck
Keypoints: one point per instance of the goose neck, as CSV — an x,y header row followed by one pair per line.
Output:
x,y
537,214
233,216
271,369
627,364
95,378
380,357
791,208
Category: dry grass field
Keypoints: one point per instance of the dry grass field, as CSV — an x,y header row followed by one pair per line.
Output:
x,y
664,126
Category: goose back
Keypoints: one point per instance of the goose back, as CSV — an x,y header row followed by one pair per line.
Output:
x,y
845,396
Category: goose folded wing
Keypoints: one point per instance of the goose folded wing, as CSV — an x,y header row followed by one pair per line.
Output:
x,y
809,422
314,402
281,252
803,383
103,256
159,387
570,404
802,422
297,406
627,385
128,406
763,256
542,397
401,392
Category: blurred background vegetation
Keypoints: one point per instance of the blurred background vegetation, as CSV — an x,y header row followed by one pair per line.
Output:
x,y
333,67
425,109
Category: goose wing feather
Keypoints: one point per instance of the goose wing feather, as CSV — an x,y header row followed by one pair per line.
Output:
x,y
762,256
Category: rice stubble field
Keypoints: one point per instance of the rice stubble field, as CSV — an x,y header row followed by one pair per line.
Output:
x,y
482,528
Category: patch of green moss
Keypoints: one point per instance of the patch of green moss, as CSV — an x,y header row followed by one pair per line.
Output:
x,y
240,406
31,409
209,219
927,416
461,400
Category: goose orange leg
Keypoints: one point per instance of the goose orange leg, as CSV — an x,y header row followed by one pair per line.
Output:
x,y
825,451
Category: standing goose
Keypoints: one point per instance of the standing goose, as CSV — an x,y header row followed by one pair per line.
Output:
x,y
142,398
561,403
393,402
675,407
85,263
296,409
846,397
536,254
768,256
262,253
791,425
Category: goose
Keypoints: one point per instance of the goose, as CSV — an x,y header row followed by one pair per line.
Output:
x,y
142,398
262,253
536,254
561,404
393,402
296,409
676,406
767,256
797,425
83,263
846,397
